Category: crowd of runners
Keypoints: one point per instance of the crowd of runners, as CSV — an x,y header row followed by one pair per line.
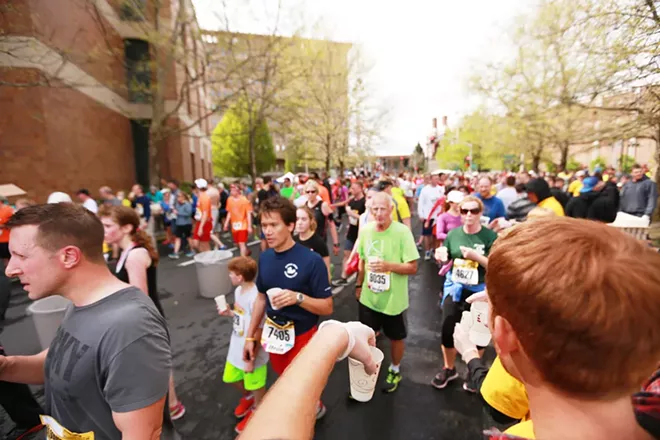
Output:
x,y
572,304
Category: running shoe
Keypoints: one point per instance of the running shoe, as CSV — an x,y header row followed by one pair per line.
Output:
x,y
469,387
190,254
243,423
444,377
177,411
320,410
427,256
174,256
244,406
392,381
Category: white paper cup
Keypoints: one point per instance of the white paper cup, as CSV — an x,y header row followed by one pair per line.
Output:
x,y
363,384
373,260
221,302
479,331
272,292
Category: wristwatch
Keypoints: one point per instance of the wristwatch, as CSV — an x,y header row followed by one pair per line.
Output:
x,y
299,298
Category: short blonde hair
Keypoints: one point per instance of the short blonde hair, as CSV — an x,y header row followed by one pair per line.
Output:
x,y
477,200
539,212
311,185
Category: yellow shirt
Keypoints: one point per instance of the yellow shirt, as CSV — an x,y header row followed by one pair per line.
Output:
x,y
553,205
575,187
401,207
523,429
504,392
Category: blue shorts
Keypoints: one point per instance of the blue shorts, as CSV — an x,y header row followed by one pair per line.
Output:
x,y
348,245
426,232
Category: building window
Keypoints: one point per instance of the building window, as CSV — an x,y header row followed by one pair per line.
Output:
x,y
192,166
132,10
138,70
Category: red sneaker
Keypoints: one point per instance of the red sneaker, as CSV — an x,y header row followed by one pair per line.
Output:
x,y
243,423
244,406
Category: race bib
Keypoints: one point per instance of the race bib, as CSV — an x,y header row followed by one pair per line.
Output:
x,y
239,320
353,221
278,339
465,272
378,282
237,226
55,431
198,215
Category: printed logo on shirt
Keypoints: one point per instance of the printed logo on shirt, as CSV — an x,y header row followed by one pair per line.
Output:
x,y
480,248
291,270
65,347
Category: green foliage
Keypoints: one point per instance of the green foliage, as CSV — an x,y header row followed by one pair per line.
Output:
x,y
625,163
551,166
231,143
597,162
573,165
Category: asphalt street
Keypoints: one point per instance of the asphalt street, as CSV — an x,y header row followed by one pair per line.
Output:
x,y
200,341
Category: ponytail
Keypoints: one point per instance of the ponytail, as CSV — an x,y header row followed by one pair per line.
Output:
x,y
142,239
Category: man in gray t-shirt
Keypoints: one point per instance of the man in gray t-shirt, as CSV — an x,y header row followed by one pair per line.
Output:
x,y
112,355
107,369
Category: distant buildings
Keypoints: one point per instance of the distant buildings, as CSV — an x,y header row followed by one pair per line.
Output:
x,y
76,96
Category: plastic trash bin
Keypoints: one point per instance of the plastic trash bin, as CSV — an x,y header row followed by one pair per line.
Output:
x,y
47,314
213,273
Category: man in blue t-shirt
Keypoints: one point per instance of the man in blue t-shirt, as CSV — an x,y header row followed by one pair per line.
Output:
x,y
493,206
294,290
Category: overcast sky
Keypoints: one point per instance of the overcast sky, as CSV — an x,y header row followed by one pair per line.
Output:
x,y
422,51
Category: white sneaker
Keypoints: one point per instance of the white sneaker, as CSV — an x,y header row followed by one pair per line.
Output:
x,y
427,256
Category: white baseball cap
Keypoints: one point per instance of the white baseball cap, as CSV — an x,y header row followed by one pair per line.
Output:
x,y
59,197
201,183
455,196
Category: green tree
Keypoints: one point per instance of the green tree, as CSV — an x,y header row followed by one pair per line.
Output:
x,y
626,163
231,143
598,162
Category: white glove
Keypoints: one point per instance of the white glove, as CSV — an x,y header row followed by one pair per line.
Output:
x,y
464,346
646,219
360,338
477,297
442,254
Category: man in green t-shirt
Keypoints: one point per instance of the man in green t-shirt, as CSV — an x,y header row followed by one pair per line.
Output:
x,y
287,190
388,255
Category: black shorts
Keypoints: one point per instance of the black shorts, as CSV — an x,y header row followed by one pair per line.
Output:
x,y
427,232
4,250
452,312
394,327
183,231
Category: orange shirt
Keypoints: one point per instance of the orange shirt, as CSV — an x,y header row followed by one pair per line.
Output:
x,y
6,211
239,208
325,195
204,204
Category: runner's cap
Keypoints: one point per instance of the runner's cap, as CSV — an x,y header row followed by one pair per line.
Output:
x,y
455,197
201,183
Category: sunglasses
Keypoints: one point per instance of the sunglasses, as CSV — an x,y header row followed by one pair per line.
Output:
x,y
310,192
474,211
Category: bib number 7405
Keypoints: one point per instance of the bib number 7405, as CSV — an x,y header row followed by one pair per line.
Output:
x,y
278,339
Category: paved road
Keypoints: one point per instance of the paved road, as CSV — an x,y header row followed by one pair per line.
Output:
x,y
200,340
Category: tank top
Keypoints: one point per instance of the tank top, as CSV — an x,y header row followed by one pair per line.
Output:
x,y
320,218
152,285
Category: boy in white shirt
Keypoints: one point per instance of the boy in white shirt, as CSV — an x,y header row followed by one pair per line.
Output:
x,y
248,376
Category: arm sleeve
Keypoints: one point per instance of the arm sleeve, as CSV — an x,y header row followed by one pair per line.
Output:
x,y
440,228
318,279
409,248
420,205
138,376
477,372
259,282
323,248
652,200
360,248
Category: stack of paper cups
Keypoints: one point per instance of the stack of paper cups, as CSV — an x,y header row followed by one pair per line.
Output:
x,y
363,384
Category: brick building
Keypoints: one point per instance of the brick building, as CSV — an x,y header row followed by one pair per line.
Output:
x,y
77,82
